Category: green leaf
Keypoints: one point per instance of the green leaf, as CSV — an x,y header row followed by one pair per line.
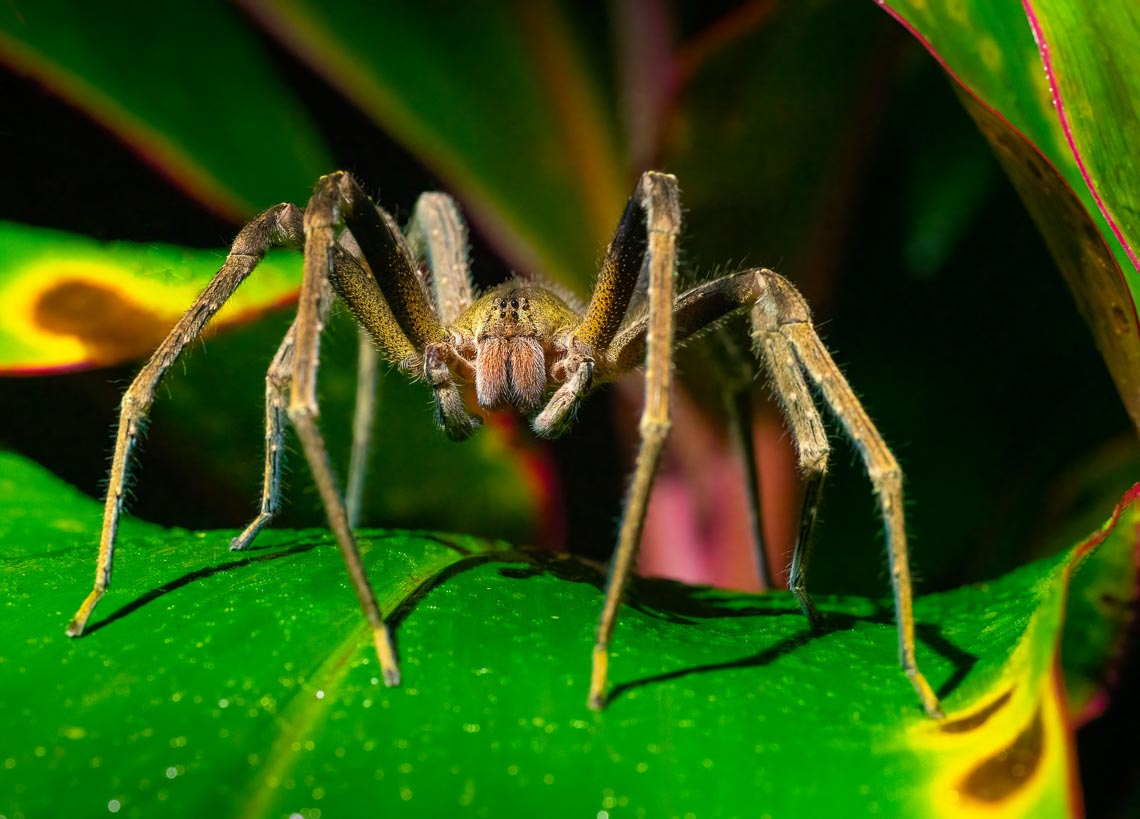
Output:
x,y
1089,53
1073,172
72,302
245,685
190,88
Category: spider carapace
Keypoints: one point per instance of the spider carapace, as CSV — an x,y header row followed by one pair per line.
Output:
x,y
524,346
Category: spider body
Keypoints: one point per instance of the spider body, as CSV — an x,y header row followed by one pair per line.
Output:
x,y
513,341
524,347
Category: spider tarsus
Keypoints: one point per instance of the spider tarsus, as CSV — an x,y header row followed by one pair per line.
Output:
x,y
556,419
929,699
385,653
598,674
815,620
242,541
78,623
460,428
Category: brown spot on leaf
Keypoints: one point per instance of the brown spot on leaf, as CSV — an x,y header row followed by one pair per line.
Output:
x,y
1007,771
975,720
110,326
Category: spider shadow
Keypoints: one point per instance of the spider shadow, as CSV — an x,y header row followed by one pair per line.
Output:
x,y
262,553
681,604
256,554
660,599
833,623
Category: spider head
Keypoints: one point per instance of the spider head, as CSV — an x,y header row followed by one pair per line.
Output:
x,y
510,365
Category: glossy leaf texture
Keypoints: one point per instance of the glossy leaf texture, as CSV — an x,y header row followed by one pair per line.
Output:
x,y
244,685
1053,88
70,301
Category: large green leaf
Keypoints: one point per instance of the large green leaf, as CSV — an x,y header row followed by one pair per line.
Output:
x,y
1089,54
244,685
1012,64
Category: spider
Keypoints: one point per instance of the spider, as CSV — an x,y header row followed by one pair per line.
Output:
x,y
525,347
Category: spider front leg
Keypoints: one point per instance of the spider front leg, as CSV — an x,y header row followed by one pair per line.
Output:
x,y
280,226
392,306
338,202
647,232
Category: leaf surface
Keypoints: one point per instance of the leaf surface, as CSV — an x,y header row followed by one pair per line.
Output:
x,y
245,685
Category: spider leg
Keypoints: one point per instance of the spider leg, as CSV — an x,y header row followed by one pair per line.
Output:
x,y
812,450
786,341
886,478
363,418
280,226
276,401
277,382
438,235
613,291
336,201
737,371
656,197
739,407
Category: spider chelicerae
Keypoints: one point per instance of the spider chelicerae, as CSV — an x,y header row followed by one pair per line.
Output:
x,y
525,347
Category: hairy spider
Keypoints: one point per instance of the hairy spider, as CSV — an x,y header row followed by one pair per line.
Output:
x,y
524,347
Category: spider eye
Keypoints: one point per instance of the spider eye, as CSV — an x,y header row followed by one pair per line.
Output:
x,y
515,303
502,314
